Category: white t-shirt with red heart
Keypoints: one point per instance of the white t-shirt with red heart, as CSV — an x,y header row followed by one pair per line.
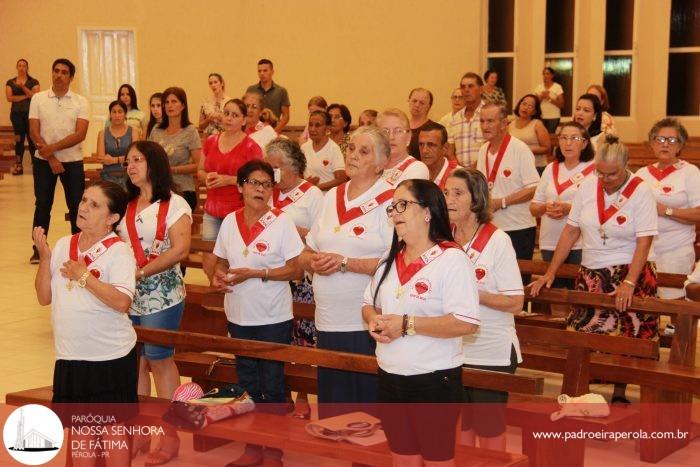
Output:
x,y
325,162
254,302
515,172
338,296
496,271
443,286
679,189
635,218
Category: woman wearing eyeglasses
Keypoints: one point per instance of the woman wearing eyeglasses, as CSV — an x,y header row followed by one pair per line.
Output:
x,y
614,215
558,186
401,165
157,225
260,132
676,186
420,302
257,249
343,249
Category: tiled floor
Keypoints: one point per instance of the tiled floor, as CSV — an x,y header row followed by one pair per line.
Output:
x,y
26,346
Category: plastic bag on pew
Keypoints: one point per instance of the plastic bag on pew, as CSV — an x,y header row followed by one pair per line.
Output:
x,y
587,405
192,409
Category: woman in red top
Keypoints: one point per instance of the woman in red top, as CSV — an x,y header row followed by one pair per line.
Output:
x,y
224,154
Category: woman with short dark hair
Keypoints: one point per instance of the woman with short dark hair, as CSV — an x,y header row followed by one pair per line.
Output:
x,y
588,113
420,302
157,224
490,91
529,129
257,249
180,139
551,96
339,130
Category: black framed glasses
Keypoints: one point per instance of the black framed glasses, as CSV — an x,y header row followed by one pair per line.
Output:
x,y
399,206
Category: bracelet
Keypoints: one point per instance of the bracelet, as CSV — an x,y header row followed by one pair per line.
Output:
x,y
267,275
404,326
503,203
142,274
629,282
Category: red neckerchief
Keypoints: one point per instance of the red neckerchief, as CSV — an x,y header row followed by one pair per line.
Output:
x,y
292,197
90,256
477,245
605,214
406,272
140,255
346,215
491,174
446,170
248,235
661,174
561,188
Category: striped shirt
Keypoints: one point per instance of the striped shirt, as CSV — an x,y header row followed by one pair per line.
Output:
x,y
466,136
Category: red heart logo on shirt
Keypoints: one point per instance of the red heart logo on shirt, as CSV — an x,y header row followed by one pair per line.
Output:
x,y
325,162
507,172
480,273
620,219
96,273
358,230
421,287
667,189
261,246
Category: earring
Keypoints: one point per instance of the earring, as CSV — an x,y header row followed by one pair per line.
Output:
x,y
427,218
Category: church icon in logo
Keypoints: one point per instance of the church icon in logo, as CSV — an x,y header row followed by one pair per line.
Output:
x,y
33,434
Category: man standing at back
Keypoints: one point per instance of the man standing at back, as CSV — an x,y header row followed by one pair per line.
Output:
x,y
58,123
464,131
274,95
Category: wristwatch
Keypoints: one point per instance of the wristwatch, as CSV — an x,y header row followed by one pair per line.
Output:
x,y
344,265
668,212
503,203
82,282
411,328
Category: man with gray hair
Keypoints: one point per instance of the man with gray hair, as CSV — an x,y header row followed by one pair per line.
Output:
x,y
509,167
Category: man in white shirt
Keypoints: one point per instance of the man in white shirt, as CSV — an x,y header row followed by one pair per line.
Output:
x,y
58,123
464,131
509,167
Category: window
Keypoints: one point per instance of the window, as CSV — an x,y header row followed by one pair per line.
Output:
x,y
683,91
501,50
617,64
559,47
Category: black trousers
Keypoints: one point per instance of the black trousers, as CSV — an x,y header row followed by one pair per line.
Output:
x,y
73,181
524,245
20,127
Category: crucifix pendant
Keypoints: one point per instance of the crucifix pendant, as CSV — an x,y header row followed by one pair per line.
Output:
x,y
69,286
603,235
399,291
245,252
336,229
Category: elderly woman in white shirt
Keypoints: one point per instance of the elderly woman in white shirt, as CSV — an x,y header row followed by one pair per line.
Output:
x,y
614,215
343,250
422,299
88,279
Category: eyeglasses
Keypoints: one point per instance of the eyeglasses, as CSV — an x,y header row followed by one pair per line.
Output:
x,y
604,176
134,160
257,183
666,139
399,206
394,131
578,139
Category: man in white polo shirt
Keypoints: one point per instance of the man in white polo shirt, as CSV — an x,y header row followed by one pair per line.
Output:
x,y
58,123
509,167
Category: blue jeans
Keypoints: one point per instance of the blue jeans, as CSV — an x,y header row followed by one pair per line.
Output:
x,y
210,227
168,319
263,379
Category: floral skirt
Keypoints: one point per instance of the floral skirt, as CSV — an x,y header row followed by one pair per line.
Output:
x,y
304,332
612,322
